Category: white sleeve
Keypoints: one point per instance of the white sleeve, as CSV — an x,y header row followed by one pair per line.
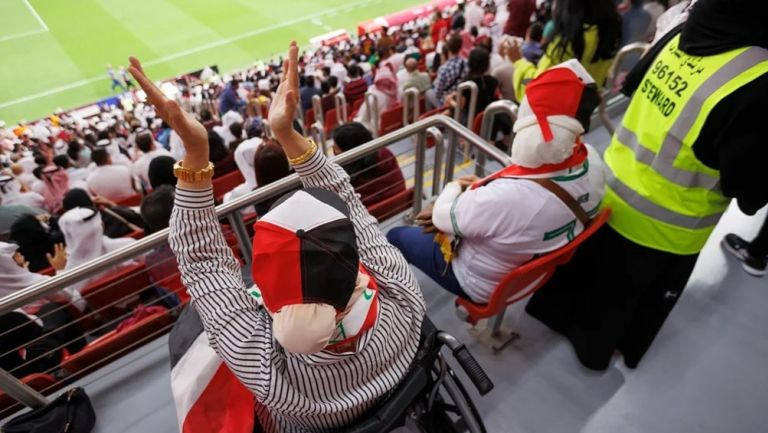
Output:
x,y
441,213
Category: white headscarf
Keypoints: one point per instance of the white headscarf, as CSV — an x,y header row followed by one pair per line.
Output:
x,y
84,235
14,278
10,193
244,155
230,118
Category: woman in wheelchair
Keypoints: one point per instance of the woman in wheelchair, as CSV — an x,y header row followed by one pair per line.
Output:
x,y
334,320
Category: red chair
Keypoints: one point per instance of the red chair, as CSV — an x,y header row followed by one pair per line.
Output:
x,y
391,206
391,120
136,234
116,344
134,200
226,183
524,281
477,124
47,271
331,122
355,107
309,119
44,383
115,294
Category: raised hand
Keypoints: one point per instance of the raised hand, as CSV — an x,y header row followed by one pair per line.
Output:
x,y
192,132
59,258
286,99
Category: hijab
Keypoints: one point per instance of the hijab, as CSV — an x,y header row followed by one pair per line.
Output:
x,y
56,183
244,155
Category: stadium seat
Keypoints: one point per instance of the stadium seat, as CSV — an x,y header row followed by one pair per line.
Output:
x,y
391,206
116,343
226,183
44,383
477,124
112,295
331,122
309,119
134,200
391,120
525,280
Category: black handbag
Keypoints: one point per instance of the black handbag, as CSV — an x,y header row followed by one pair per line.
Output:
x,y
70,412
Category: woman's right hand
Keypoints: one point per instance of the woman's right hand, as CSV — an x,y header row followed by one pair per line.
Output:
x,y
59,258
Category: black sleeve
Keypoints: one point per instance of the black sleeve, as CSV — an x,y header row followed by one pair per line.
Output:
x,y
733,141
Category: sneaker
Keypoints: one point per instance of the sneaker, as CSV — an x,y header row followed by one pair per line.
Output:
x,y
738,247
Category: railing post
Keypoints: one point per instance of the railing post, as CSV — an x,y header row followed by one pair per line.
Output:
x,y
21,392
437,169
372,111
241,233
410,104
341,108
317,107
450,159
300,117
486,128
317,131
471,105
418,176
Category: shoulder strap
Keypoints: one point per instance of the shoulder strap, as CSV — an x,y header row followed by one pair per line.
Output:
x,y
565,197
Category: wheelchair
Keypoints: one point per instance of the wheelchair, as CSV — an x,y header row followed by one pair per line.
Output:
x,y
430,398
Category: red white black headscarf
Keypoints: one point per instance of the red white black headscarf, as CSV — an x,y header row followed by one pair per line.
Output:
x,y
307,273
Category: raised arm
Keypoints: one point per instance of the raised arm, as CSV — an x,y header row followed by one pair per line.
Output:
x,y
238,331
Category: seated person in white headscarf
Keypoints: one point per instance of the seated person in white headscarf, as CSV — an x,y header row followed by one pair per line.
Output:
x,y
114,182
385,90
226,121
84,235
512,216
12,193
244,155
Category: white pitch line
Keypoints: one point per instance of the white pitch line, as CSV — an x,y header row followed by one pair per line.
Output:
x,y
21,35
37,15
184,53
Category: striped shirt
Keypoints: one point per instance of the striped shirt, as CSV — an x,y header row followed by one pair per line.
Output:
x,y
299,393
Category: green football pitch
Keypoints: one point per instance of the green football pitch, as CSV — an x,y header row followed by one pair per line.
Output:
x,y
53,53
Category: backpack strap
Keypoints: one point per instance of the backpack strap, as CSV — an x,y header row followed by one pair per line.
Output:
x,y
564,197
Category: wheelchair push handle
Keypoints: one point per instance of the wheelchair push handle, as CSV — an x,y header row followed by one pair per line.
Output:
x,y
468,363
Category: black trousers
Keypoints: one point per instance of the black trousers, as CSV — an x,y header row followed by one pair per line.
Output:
x,y
759,245
614,295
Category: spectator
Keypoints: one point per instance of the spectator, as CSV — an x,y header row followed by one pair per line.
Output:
x,y
223,130
385,42
34,240
520,12
440,27
385,94
118,221
415,78
531,48
375,177
236,129
55,185
12,193
270,165
457,20
113,149
114,182
308,92
156,209
357,86
473,14
244,156
369,359
146,144
636,24
586,31
507,219
503,73
223,160
85,240
160,172
10,213
79,153
77,176
327,102
452,72
229,100
656,10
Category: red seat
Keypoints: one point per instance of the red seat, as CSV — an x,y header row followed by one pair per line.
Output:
x,y
391,120
113,295
309,119
47,271
477,124
331,122
44,383
136,234
116,344
226,183
134,200
528,278
392,205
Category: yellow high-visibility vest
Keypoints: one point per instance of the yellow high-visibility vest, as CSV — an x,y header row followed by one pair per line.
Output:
x,y
661,195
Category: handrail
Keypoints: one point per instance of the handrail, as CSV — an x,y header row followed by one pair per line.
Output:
x,y
317,107
317,132
503,106
341,108
372,111
602,110
146,244
410,102
471,106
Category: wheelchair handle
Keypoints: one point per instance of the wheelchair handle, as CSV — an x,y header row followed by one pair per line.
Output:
x,y
468,363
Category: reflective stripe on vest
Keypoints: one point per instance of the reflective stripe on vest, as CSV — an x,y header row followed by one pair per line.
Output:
x,y
662,196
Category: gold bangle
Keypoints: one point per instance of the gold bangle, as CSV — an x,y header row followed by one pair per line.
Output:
x,y
304,157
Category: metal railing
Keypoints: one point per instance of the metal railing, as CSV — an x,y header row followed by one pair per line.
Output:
x,y
341,108
317,107
495,108
471,105
372,111
613,73
411,106
231,211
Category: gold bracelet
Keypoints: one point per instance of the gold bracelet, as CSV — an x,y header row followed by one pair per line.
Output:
x,y
304,157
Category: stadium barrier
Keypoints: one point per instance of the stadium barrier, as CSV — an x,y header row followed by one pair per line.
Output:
x,y
138,328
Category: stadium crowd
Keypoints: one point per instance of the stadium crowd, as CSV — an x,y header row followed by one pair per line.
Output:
x,y
73,189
